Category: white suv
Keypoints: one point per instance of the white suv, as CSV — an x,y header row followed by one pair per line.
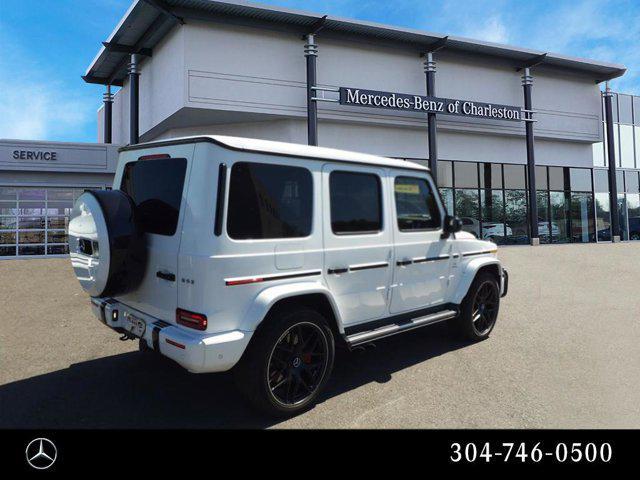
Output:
x,y
260,256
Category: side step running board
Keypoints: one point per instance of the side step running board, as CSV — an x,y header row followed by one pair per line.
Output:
x,y
388,330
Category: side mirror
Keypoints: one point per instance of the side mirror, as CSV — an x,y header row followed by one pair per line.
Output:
x,y
451,225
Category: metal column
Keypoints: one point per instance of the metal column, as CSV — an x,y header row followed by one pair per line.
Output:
x,y
134,100
432,123
527,85
611,156
311,53
108,115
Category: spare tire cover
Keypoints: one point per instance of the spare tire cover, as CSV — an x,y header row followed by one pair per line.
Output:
x,y
106,245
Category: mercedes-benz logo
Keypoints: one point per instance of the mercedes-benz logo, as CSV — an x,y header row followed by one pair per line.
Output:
x,y
41,453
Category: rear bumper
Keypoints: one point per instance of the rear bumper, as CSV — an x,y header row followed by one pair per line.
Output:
x,y
504,287
198,352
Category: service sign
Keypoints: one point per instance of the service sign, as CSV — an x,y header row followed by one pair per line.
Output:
x,y
359,97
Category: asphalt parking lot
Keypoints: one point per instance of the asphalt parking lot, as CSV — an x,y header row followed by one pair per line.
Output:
x,y
565,354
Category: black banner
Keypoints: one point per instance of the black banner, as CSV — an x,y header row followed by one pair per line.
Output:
x,y
359,97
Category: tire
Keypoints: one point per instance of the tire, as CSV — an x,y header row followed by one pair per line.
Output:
x,y
475,303
278,378
106,244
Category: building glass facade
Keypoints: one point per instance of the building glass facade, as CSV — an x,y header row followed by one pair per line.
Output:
x,y
34,221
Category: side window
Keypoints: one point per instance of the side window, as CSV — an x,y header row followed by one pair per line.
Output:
x,y
356,203
156,189
416,205
269,201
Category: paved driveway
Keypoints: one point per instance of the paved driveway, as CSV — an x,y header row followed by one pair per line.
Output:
x,y
565,353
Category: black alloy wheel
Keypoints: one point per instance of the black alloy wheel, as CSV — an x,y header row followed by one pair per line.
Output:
x,y
297,364
485,308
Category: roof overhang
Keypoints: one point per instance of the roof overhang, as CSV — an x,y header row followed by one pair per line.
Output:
x,y
146,22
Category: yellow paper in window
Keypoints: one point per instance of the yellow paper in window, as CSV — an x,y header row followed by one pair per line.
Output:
x,y
410,188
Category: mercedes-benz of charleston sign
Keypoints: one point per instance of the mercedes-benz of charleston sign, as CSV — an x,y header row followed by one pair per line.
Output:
x,y
359,97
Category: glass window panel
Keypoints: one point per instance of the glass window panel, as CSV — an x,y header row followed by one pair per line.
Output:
x,y
31,250
7,251
58,222
606,145
580,179
8,193
490,175
31,208
598,154
514,177
601,180
466,174
60,194
447,199
620,181
603,217
8,223
541,178
516,216
36,236
356,202
582,224
8,208
56,236
636,110
559,216
631,182
622,216
468,209
633,209
32,194
556,178
57,249
29,223
636,131
616,139
614,103
7,236
416,207
626,146
445,174
493,227
542,201
625,108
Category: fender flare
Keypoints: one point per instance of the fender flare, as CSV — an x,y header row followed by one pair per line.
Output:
x,y
268,297
469,274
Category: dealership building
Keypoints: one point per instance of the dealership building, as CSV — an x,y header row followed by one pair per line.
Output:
x,y
490,120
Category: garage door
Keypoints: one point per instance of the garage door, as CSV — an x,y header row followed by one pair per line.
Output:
x,y
35,220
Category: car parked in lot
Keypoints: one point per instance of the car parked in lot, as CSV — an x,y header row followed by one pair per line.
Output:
x,y
230,253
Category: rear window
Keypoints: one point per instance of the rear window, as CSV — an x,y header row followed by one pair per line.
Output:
x,y
156,188
269,201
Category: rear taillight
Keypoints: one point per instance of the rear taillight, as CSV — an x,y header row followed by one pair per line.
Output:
x,y
193,320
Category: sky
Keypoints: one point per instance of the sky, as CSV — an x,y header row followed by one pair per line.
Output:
x,y
47,45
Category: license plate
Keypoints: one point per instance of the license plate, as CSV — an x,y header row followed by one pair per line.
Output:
x,y
135,325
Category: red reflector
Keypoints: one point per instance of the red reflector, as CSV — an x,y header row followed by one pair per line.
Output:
x,y
231,283
175,344
155,156
191,320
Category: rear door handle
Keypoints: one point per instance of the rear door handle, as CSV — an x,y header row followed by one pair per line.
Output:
x,y
337,271
170,277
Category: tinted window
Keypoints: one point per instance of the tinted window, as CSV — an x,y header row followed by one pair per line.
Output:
x,y
416,205
514,177
466,174
580,179
269,201
356,203
156,188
